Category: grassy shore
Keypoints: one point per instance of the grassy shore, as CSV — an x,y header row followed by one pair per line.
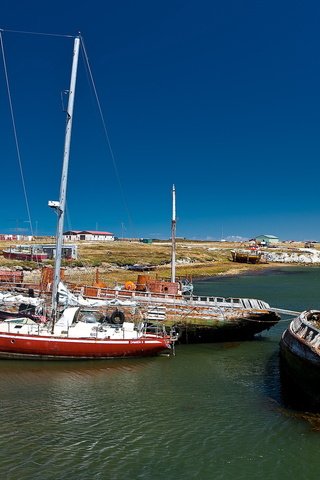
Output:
x,y
194,259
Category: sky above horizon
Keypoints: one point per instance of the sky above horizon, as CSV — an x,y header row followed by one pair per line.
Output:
x,y
221,99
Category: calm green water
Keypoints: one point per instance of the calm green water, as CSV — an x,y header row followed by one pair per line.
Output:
x,y
214,411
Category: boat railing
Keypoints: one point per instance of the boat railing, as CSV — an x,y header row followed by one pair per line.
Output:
x,y
150,297
307,332
248,303
109,293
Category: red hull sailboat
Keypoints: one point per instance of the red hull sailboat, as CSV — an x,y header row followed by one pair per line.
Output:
x,y
19,346
68,335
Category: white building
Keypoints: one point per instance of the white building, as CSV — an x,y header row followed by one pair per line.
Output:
x,y
19,238
76,235
68,252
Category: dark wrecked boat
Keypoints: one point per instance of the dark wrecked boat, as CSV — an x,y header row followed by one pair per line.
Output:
x,y
300,356
246,256
137,267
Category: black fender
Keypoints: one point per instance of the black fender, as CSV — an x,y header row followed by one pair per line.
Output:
x,y
117,317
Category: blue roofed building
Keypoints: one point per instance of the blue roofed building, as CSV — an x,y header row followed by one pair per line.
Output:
x,y
267,239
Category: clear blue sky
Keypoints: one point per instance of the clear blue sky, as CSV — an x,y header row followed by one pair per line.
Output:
x,y
221,98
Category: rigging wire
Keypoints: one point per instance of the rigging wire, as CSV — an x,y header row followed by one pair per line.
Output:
x,y
37,33
15,133
87,64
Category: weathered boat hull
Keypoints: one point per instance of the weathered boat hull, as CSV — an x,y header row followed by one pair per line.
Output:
x,y
34,347
300,365
24,256
231,329
197,319
196,325
246,257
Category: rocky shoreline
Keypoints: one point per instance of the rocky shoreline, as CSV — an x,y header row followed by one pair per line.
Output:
x,y
302,256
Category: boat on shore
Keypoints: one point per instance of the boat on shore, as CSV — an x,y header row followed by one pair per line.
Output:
x,y
68,333
246,256
300,356
137,267
30,253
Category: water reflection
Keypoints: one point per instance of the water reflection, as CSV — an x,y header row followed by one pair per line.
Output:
x,y
294,396
285,396
82,367
272,384
64,379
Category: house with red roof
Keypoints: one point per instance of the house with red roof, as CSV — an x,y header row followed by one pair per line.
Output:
x,y
88,235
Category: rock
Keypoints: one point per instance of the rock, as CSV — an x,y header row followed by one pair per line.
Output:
x,y
301,257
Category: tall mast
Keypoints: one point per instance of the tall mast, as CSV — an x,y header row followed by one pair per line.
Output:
x,y
173,236
60,205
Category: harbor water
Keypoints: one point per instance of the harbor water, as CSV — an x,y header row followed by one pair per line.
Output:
x,y
214,411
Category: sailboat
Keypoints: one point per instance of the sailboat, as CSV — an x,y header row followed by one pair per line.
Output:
x,y
72,334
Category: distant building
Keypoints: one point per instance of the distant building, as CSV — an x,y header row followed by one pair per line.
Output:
x,y
127,239
9,236
68,252
146,240
75,235
267,240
